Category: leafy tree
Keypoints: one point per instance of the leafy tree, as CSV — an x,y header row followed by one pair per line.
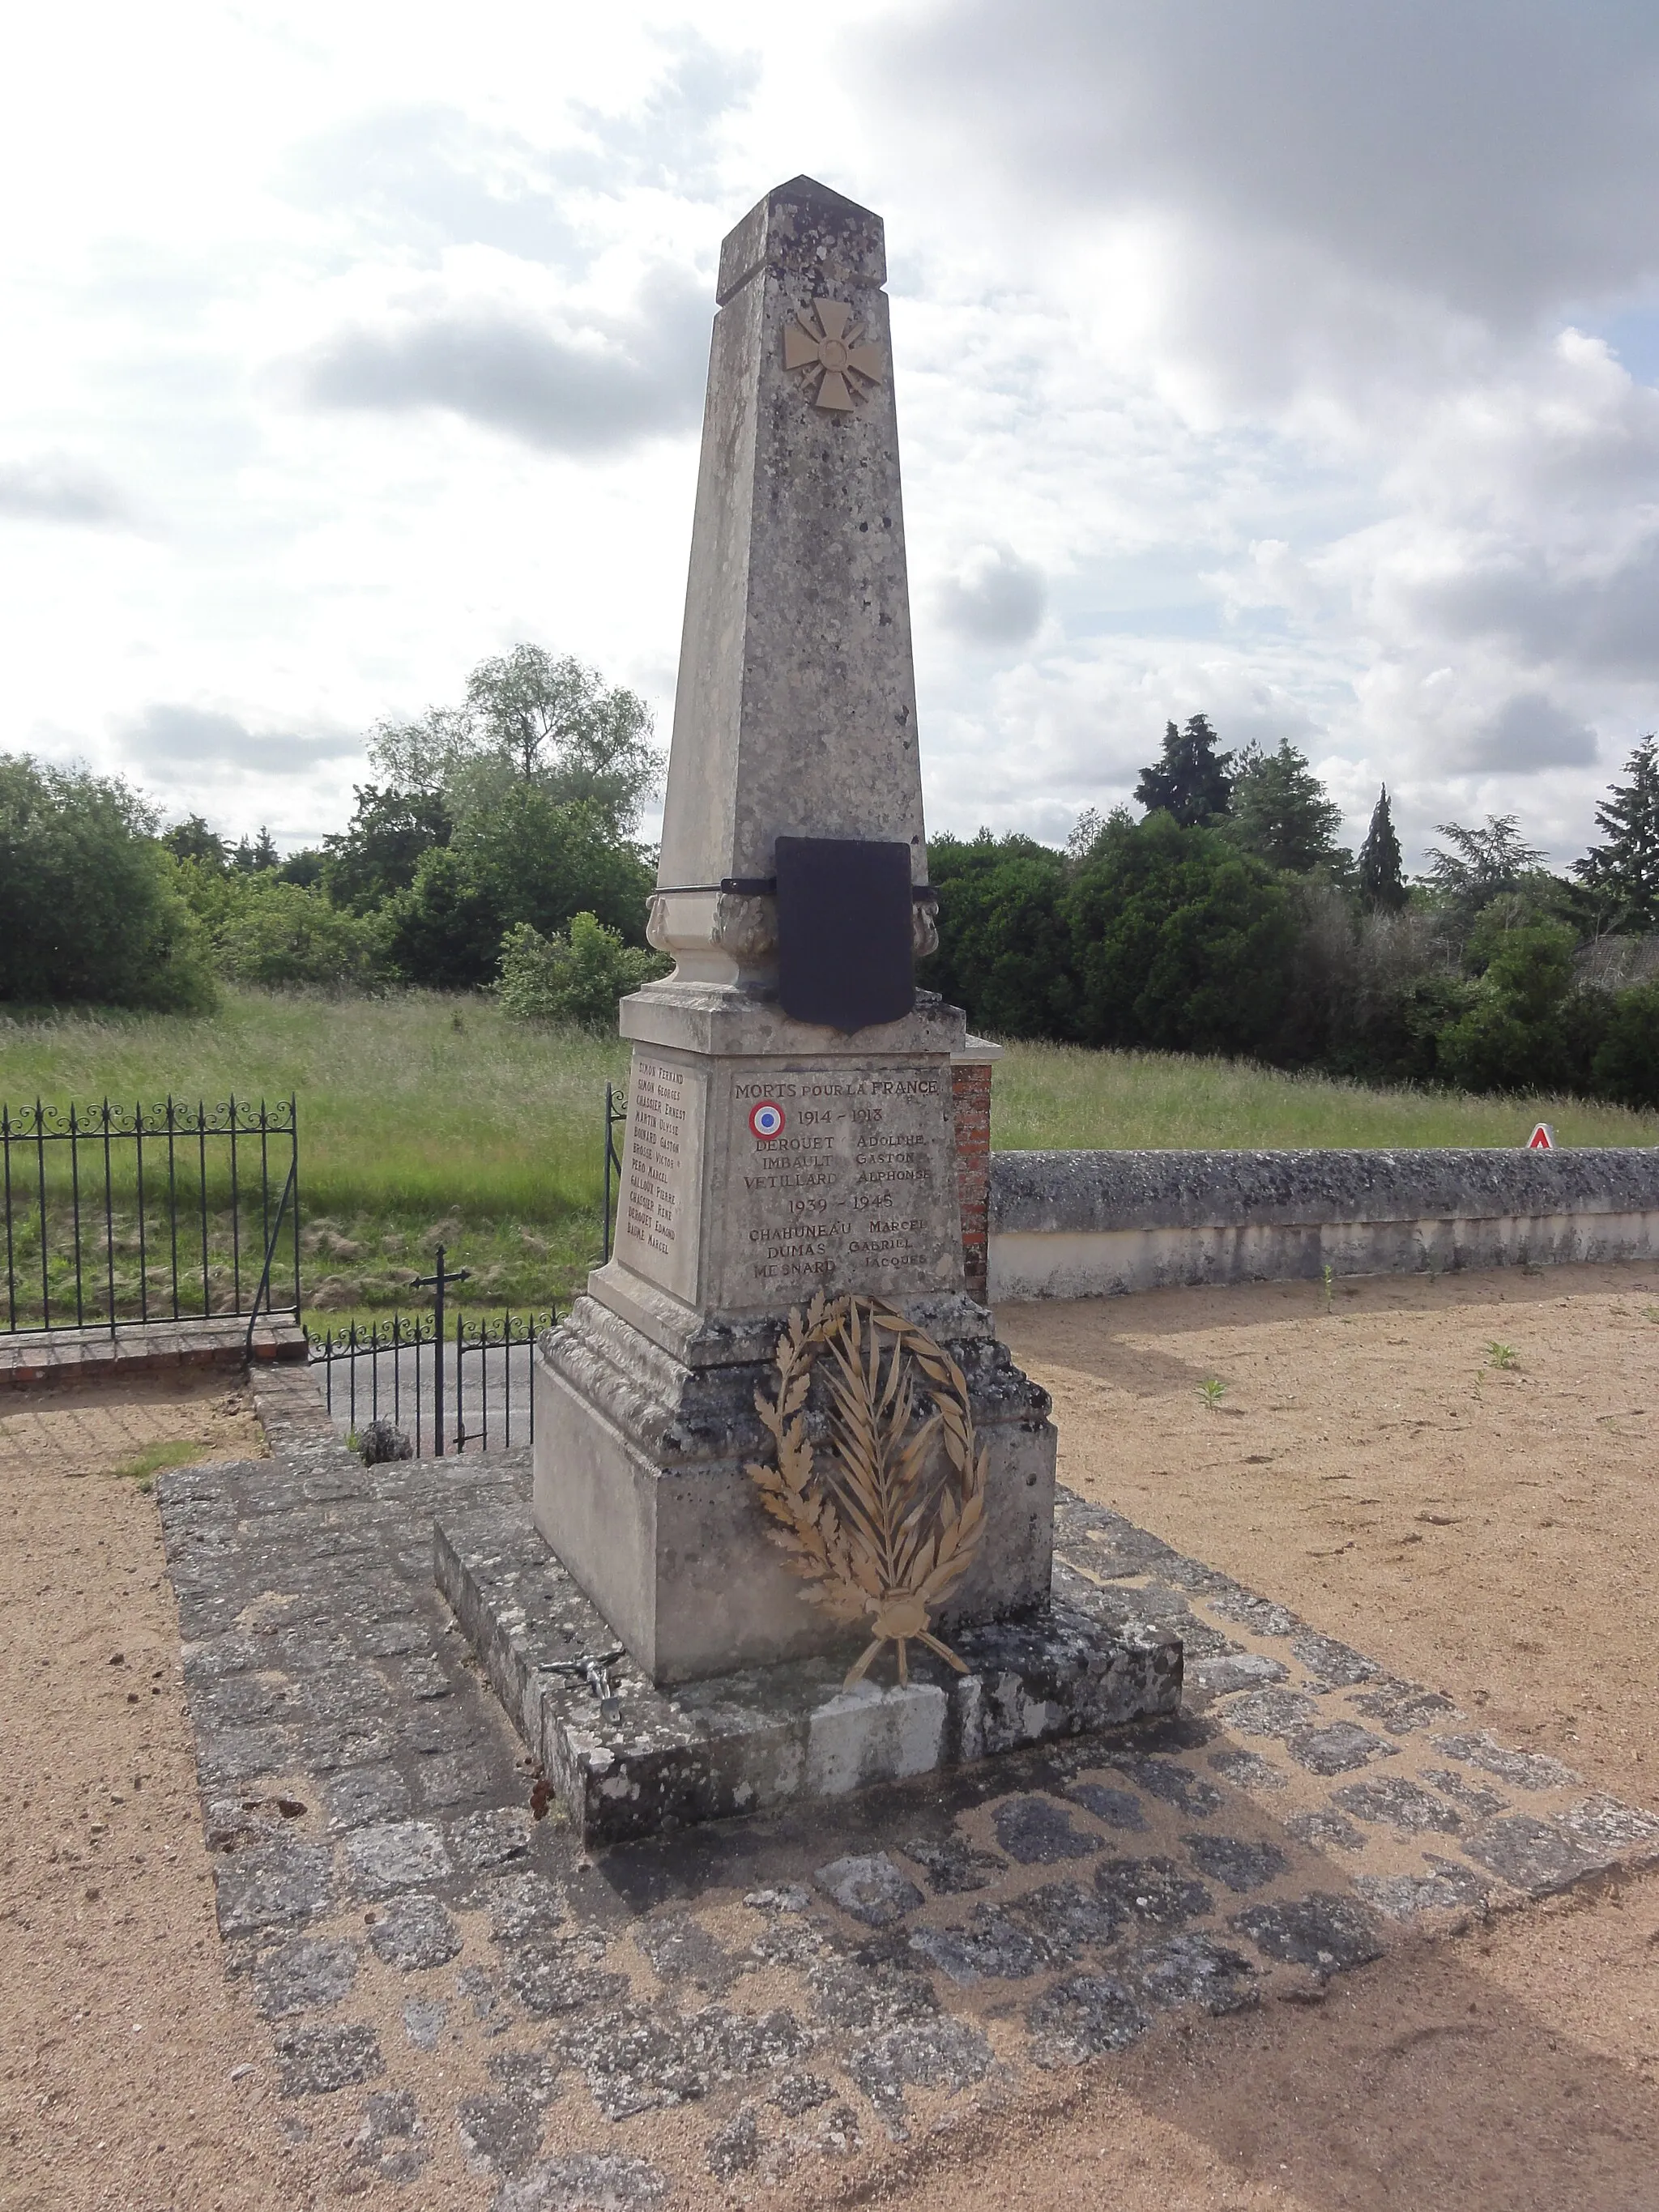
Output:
x,y
1086,830
577,977
446,930
90,908
307,867
1005,945
275,933
516,807
1402,989
534,720
1179,941
377,855
192,840
1321,1013
566,730
1626,1063
542,861
524,859
1190,782
1481,864
1281,814
1514,1036
1407,1048
252,859
1382,881
1623,874
423,755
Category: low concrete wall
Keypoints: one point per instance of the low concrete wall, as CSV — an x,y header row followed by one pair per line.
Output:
x,y
1090,1224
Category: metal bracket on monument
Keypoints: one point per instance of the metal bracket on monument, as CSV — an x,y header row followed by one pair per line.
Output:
x,y
594,1669
765,887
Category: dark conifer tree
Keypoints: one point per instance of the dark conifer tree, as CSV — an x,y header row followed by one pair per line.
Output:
x,y
1624,873
252,859
1281,814
1381,884
1191,781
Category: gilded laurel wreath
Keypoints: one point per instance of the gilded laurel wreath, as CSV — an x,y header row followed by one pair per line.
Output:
x,y
890,1525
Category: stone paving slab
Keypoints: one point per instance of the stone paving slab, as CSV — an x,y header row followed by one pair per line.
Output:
x,y
792,1994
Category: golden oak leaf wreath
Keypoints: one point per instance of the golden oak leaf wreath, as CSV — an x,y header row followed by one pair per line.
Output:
x,y
884,1530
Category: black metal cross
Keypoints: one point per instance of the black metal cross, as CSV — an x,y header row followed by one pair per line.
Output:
x,y
437,1283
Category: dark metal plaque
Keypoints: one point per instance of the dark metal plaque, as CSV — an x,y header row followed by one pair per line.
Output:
x,y
844,946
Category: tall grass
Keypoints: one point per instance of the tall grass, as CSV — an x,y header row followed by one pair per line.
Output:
x,y
1056,1096
423,1117
428,1118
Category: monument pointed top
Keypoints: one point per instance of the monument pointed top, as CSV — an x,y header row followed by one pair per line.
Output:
x,y
803,187
795,715
804,226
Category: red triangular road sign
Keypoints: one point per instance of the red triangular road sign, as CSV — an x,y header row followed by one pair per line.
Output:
x,y
1542,1139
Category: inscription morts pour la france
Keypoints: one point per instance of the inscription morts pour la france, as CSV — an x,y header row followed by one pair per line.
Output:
x,y
843,1180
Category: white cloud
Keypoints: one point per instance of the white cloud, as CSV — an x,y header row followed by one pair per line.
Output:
x,y
994,597
591,389
1528,732
166,738
1499,156
1282,362
53,488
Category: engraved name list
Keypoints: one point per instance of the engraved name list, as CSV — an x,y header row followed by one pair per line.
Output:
x,y
658,1206
853,1185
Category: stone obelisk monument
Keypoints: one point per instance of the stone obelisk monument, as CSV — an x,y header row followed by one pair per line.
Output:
x,y
789,1118
777,1436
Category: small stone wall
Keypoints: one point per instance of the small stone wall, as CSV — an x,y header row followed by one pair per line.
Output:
x,y
1091,1225
67,1356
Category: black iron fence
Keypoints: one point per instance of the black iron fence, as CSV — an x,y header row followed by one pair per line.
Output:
x,y
146,1214
616,1117
447,1389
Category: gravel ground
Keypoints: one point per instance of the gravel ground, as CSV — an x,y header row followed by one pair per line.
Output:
x,y
1510,2060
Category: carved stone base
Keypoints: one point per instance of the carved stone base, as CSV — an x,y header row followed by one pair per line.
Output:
x,y
626,1759
642,1492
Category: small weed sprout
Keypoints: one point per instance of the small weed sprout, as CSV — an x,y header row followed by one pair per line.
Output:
x,y
146,1465
1326,1276
1502,1355
1651,1313
1213,1390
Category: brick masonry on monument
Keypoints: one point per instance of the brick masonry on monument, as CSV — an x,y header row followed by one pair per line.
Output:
x,y
782,1351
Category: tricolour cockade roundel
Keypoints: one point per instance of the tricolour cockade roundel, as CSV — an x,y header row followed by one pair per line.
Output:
x,y
766,1120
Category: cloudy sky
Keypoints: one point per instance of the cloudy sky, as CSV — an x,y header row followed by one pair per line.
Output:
x,y
1294,361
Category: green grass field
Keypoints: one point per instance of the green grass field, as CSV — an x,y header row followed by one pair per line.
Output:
x,y
1061,1097
423,1118
426,1118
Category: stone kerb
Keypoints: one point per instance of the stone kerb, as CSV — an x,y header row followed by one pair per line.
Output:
x,y
1090,1224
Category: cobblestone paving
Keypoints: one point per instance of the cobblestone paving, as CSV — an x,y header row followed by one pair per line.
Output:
x,y
734,2005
